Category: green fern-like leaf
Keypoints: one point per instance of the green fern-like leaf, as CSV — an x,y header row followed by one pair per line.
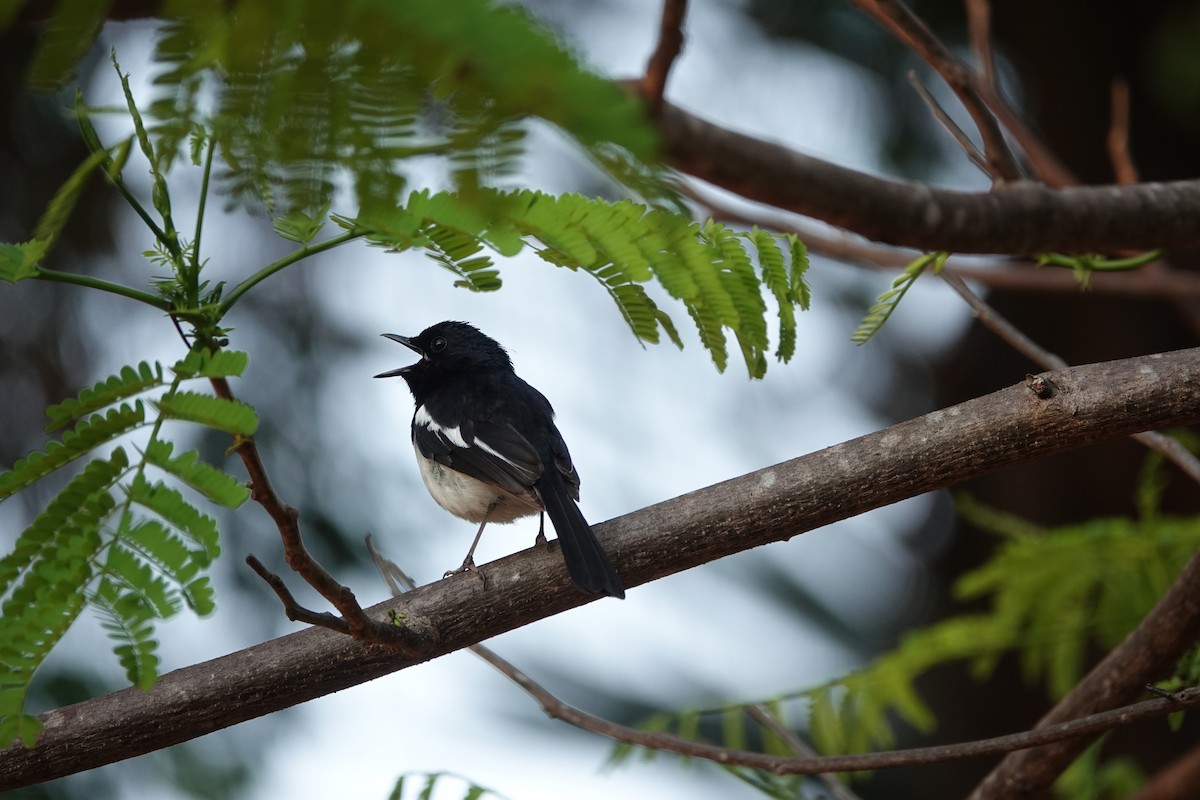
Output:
x,y
172,507
801,293
17,726
230,416
204,363
368,85
69,35
54,218
217,486
1090,778
622,245
129,622
136,577
83,438
427,783
155,543
128,382
41,540
299,226
776,278
44,599
19,262
889,300
170,556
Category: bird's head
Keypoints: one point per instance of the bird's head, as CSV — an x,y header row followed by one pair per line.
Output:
x,y
447,348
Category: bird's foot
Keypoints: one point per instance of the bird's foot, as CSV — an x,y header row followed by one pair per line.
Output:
x,y
467,566
541,540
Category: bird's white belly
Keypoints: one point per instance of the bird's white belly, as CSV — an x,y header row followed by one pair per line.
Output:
x,y
468,498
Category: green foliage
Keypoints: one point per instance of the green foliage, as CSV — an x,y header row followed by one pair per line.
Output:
x,y
69,35
709,268
1082,265
86,436
1089,778
425,783
231,416
128,382
1052,595
132,548
19,260
889,300
304,92
302,96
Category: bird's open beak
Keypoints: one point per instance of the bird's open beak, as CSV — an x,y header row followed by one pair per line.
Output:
x,y
407,342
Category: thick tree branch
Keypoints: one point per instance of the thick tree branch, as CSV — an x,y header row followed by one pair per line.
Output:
x,y
1022,218
1156,281
1087,405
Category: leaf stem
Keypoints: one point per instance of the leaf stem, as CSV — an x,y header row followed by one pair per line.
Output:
x,y
104,286
92,140
208,158
286,261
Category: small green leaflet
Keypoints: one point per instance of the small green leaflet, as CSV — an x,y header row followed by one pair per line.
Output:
x,y
231,416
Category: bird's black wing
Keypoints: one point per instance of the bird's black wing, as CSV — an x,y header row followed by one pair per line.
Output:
x,y
492,452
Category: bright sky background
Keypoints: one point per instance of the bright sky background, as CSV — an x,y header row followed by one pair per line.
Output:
x,y
643,425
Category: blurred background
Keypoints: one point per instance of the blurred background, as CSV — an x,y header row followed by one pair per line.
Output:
x,y
644,424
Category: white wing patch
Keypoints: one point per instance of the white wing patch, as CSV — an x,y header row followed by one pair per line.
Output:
x,y
452,435
487,448
455,437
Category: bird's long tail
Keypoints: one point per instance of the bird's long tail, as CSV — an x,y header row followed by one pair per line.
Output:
x,y
587,563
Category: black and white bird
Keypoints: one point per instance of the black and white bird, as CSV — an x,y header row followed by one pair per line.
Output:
x,y
489,450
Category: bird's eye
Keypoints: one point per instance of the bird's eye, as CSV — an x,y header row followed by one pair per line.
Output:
x,y
437,345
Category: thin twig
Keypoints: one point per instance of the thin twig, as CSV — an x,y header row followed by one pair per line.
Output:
x,y
958,134
670,44
804,765
295,611
759,714
999,325
909,28
301,561
979,26
1044,165
1118,134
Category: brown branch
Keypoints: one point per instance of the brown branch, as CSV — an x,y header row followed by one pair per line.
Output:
x,y
1092,725
1019,219
837,789
979,26
909,28
286,519
1093,403
1177,781
958,134
1044,165
670,44
295,611
1118,135
998,324
1157,281
1148,653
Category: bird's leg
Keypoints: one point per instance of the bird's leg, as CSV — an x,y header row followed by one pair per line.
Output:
x,y
541,537
468,563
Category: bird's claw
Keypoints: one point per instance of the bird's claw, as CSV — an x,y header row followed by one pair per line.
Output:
x,y
466,566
